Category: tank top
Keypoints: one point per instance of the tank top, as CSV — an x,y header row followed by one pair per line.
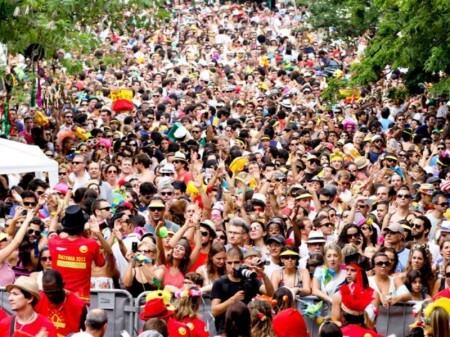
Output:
x,y
7,275
373,284
173,280
138,287
297,277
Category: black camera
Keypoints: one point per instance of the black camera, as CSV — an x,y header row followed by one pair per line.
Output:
x,y
244,272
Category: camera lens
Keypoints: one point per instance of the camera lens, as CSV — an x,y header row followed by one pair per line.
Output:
x,y
247,273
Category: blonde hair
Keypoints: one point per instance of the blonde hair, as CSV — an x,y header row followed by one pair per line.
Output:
x,y
349,249
149,245
333,246
187,307
439,322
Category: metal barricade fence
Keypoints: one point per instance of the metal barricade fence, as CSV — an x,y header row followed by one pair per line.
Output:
x,y
119,305
4,303
139,302
394,320
123,313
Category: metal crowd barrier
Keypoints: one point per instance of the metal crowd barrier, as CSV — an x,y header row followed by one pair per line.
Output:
x,y
394,320
119,305
123,313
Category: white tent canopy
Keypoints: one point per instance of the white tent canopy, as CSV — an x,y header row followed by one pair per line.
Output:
x,y
22,158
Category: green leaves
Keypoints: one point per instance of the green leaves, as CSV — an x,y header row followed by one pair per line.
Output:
x,y
60,24
412,34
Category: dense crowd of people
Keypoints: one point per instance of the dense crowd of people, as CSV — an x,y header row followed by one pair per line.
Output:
x,y
207,163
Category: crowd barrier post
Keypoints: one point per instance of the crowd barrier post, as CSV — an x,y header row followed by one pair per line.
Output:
x,y
206,315
138,303
4,302
119,306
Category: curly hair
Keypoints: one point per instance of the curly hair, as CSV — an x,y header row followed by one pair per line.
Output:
x,y
426,270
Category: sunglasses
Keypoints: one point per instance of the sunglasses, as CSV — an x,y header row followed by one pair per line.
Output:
x,y
416,226
31,231
108,208
383,263
111,171
176,162
365,228
351,236
46,258
222,237
282,180
204,234
328,224
62,173
166,194
145,251
447,274
443,204
325,202
289,257
25,203
403,196
77,162
156,209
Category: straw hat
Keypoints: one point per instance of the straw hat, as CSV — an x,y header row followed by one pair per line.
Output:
x,y
27,284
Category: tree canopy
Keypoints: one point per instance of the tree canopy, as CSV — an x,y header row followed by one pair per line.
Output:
x,y
66,24
411,34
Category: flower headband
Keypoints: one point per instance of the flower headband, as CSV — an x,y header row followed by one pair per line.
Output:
x,y
188,293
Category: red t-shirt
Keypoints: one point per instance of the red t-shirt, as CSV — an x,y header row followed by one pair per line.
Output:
x,y
27,330
3,314
196,326
185,176
177,329
65,317
358,331
73,259
201,260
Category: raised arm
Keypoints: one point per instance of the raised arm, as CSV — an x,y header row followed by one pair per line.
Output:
x,y
17,239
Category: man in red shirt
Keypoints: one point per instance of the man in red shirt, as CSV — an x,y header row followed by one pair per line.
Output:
x,y
66,311
73,254
23,296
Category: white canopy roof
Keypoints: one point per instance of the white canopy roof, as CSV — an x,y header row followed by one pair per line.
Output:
x,y
22,158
